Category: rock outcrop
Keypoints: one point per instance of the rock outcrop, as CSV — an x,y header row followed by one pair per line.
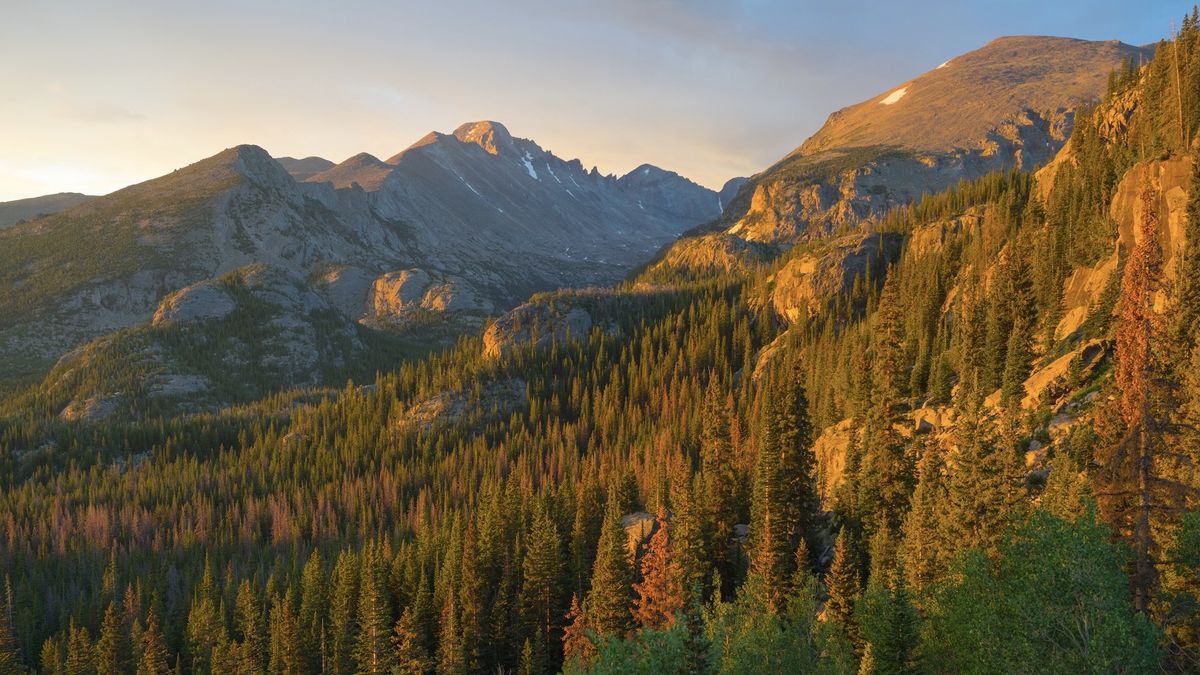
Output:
x,y
806,283
539,324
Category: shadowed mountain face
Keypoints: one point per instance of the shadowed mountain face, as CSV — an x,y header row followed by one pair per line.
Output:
x,y
457,226
19,210
1009,104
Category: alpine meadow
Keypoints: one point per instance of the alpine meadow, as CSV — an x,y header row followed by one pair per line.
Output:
x,y
920,396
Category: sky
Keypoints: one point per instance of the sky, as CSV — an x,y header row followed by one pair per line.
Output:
x,y
99,94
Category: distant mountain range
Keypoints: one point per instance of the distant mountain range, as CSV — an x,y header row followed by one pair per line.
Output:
x,y
449,231
21,210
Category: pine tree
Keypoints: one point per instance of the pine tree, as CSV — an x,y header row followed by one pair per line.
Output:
x,y
1137,495
248,620
342,604
205,624
719,481
10,655
81,658
451,655
110,648
768,524
154,660
577,646
541,599
843,585
923,550
411,656
373,649
983,494
314,612
285,653
611,594
660,594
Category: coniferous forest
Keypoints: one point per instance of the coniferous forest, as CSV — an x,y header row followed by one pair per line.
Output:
x,y
924,474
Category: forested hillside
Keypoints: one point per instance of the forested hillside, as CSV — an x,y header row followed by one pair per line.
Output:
x,y
963,440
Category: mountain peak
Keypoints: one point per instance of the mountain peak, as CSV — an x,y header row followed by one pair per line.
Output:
x,y
491,136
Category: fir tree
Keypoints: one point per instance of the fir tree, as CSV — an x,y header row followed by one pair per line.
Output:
x,y
843,585
110,648
660,593
577,646
342,603
373,648
611,594
314,612
923,549
154,659
451,655
411,657
540,599
81,658
248,620
285,654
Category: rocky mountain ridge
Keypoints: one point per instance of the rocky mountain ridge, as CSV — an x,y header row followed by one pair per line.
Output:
x,y
1009,104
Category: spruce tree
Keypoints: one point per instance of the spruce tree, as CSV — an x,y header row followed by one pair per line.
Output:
x,y
81,657
770,564
983,491
660,593
719,481
843,586
890,627
411,656
612,579
285,655
248,620
314,612
110,647
373,646
205,624
452,658
343,602
10,655
541,600
923,548
154,659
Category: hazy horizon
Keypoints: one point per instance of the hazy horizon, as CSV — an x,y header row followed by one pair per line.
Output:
x,y
108,96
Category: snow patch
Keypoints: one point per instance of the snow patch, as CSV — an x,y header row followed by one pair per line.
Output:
x,y
552,174
527,160
894,96
944,64
464,182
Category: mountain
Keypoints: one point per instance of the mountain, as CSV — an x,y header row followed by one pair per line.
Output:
x,y
960,436
303,169
1009,104
456,227
19,210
